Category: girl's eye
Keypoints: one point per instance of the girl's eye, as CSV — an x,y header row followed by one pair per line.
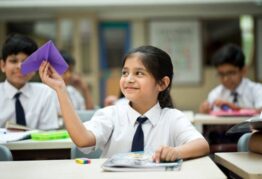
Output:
x,y
139,73
124,73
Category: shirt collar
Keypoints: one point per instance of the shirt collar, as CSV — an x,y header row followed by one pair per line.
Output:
x,y
239,89
152,114
11,90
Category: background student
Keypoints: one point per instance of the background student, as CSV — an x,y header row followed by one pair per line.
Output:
x,y
148,122
26,103
78,90
235,90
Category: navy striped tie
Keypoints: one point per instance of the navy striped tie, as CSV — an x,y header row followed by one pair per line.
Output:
x,y
19,111
138,140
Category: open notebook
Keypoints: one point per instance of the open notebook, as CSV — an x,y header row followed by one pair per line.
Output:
x,y
10,136
253,123
138,161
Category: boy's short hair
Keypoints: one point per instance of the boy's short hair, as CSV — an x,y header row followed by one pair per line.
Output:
x,y
68,58
18,43
229,54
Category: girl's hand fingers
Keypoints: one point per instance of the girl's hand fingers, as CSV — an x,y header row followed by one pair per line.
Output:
x,y
157,154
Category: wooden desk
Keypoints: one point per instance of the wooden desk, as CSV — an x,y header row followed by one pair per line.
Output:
x,y
32,149
197,169
201,119
244,164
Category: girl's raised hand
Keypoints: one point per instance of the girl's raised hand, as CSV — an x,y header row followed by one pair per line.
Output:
x,y
50,77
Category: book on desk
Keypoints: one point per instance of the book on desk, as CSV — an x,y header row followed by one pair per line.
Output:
x,y
138,161
251,124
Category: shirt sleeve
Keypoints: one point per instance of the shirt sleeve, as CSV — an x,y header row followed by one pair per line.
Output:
x,y
102,126
182,130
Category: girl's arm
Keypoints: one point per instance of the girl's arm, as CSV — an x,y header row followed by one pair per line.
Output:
x,y
78,133
195,148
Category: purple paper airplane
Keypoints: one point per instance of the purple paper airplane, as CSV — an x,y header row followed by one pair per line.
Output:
x,y
47,52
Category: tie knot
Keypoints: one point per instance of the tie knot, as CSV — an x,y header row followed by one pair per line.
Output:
x,y
141,120
16,96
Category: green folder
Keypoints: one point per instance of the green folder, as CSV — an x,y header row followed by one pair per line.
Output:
x,y
50,135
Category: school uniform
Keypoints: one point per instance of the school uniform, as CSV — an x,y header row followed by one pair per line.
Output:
x,y
76,98
249,94
38,101
115,126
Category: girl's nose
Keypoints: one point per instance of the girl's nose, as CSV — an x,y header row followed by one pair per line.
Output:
x,y
130,78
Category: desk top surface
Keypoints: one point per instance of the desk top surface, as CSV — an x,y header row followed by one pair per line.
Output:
x,y
245,164
210,119
35,145
196,168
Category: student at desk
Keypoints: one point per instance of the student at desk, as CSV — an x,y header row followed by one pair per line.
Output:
x,y
148,122
22,102
235,91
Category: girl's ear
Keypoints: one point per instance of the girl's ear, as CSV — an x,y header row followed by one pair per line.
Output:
x,y
164,83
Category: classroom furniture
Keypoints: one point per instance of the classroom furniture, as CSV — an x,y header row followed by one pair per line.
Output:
x,y
242,144
247,165
206,119
76,153
85,115
67,169
201,120
32,149
5,154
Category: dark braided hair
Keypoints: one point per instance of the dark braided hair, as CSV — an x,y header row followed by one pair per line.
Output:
x,y
159,64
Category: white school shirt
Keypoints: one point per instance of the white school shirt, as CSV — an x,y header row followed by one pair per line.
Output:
x,y
249,94
38,101
115,126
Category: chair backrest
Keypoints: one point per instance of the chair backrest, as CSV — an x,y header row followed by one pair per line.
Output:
x,y
5,154
85,115
242,144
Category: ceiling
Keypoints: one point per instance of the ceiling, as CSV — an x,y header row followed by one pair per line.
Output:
x,y
120,9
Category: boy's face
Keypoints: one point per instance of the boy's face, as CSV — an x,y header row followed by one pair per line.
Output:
x,y
230,76
12,69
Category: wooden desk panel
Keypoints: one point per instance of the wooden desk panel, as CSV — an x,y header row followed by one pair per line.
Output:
x,y
197,168
244,164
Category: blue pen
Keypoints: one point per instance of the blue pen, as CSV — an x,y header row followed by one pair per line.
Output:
x,y
225,107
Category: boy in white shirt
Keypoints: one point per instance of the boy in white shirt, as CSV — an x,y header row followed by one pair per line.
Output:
x,y
26,103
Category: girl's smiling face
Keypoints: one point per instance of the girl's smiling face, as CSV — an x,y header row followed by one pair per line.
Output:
x,y
137,84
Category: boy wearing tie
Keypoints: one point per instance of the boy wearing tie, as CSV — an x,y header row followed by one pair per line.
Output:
x,y
235,92
22,102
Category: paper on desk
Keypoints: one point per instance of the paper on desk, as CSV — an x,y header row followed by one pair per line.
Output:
x,y
10,136
46,52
